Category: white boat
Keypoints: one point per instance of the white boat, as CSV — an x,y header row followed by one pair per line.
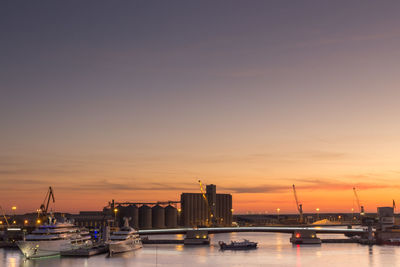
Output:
x,y
124,240
52,238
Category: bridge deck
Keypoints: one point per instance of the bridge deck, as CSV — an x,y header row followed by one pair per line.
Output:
x,y
268,229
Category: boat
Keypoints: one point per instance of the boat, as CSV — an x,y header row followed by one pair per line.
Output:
x,y
124,240
391,241
53,238
238,245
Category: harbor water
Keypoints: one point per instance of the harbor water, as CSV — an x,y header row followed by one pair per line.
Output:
x,y
274,250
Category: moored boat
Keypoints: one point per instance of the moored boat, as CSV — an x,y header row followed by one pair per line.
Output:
x,y
238,245
53,238
391,241
124,240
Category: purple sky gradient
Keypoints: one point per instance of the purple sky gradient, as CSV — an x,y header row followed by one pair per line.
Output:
x,y
239,93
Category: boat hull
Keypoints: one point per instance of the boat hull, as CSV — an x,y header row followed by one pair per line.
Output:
x,y
238,245
37,249
228,247
124,246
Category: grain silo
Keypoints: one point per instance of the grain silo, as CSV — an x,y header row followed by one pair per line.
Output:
x,y
144,217
158,217
132,212
171,217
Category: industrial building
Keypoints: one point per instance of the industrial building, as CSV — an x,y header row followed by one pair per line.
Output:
x,y
196,209
206,209
146,215
92,219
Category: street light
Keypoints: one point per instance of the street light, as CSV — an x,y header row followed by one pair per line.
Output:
x,y
317,209
278,210
115,216
14,208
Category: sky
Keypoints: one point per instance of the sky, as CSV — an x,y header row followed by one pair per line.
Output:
x,y
137,100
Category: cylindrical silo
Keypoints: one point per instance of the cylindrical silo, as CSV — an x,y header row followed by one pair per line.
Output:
x,y
158,216
144,217
132,212
171,217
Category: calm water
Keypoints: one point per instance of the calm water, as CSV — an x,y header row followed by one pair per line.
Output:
x,y
274,250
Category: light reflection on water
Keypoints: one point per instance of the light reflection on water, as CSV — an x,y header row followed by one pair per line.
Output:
x,y
274,250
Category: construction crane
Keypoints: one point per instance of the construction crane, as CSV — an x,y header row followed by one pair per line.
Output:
x,y
4,215
45,205
210,215
360,208
298,205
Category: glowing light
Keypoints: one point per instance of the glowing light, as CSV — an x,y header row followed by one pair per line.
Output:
x,y
38,221
14,222
317,209
26,221
115,210
13,207
298,235
232,210
1,222
179,210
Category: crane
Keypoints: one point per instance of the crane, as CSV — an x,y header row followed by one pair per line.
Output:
x,y
4,215
45,205
360,208
298,205
210,215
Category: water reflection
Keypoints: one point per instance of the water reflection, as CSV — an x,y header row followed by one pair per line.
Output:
x,y
298,256
279,242
274,249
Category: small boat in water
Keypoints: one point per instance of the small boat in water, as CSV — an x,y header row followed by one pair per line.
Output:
x,y
124,240
391,241
238,245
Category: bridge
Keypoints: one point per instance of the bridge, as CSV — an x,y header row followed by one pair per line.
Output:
x,y
266,229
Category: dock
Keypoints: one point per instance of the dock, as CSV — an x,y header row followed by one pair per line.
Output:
x,y
341,240
85,252
162,241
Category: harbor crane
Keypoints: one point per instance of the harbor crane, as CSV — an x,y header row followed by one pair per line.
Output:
x,y
360,208
298,205
4,215
45,205
210,214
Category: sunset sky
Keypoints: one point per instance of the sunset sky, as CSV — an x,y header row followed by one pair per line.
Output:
x,y
137,100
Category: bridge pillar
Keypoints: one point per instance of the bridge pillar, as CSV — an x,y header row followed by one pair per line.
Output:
x,y
305,237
